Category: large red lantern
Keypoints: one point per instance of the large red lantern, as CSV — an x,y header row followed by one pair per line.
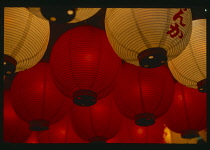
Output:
x,y
15,130
97,123
132,133
84,65
36,99
144,94
187,114
60,132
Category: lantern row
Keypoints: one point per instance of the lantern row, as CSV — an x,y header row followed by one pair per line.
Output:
x,y
86,76
146,37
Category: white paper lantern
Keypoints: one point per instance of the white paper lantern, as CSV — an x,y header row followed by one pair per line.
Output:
x,y
175,138
81,14
189,68
25,39
148,36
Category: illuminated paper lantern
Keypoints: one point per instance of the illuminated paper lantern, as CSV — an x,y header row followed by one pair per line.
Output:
x,y
25,39
142,94
189,68
15,130
84,65
63,14
36,99
132,133
60,132
97,123
176,138
187,114
148,37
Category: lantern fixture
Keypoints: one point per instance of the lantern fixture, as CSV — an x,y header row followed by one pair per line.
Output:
x,y
25,39
191,115
84,66
9,65
84,98
58,14
63,14
189,68
148,37
142,94
36,99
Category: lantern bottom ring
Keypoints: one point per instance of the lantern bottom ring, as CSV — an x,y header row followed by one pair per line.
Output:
x,y
202,86
84,98
145,119
58,15
189,134
152,57
9,65
39,125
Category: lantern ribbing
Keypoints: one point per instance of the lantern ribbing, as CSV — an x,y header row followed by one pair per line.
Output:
x,y
133,30
190,66
25,37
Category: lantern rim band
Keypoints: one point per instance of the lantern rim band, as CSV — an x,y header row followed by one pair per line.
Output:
x,y
189,134
84,98
202,86
39,125
9,65
145,119
152,57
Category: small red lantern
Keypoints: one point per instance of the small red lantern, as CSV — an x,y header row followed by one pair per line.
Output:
x,y
187,114
36,99
144,94
84,65
97,123
15,130
60,132
132,133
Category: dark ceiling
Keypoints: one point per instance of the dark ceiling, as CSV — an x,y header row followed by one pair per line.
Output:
x,y
56,30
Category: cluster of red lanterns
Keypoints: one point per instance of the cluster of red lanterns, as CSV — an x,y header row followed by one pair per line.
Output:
x,y
86,94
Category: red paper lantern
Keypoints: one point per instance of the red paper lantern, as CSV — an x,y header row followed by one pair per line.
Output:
x,y
144,94
15,130
132,133
36,99
97,123
187,114
60,132
84,65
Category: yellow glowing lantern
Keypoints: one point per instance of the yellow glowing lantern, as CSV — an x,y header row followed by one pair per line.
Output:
x,y
175,138
148,37
63,14
25,39
189,68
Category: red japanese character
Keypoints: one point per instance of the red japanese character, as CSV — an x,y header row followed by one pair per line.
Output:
x,y
176,29
178,15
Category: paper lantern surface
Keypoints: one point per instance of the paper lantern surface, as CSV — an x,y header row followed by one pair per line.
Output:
x,y
15,130
143,36
36,99
190,66
84,64
25,37
60,132
144,94
97,123
187,114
